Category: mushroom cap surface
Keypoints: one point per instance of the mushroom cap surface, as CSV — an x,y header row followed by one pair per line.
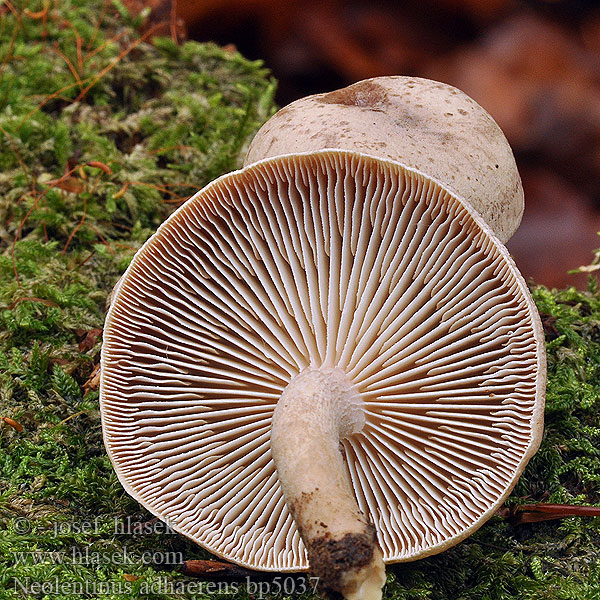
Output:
x,y
430,126
335,260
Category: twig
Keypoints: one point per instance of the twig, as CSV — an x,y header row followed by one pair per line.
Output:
x,y
536,513
214,570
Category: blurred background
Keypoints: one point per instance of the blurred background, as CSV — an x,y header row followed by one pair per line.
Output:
x,y
534,65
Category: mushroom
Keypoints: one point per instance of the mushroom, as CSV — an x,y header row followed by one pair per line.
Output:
x,y
326,358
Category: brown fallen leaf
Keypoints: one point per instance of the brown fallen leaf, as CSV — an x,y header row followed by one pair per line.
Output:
x,y
93,381
68,184
89,339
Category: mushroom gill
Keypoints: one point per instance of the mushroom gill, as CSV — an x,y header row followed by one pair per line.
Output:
x,y
356,280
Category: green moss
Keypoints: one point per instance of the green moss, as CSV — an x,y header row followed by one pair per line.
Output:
x,y
132,129
97,146
101,136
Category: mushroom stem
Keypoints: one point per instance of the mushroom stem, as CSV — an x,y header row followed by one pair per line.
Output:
x,y
317,409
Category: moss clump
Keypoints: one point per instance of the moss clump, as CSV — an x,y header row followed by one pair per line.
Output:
x,y
101,135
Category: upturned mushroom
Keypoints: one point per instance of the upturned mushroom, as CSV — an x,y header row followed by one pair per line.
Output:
x,y
328,358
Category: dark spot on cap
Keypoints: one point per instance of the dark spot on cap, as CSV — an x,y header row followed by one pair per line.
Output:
x,y
365,94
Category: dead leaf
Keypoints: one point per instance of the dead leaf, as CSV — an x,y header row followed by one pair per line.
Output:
x,y
69,184
93,381
89,340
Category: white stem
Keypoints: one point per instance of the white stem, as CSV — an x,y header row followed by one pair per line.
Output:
x,y
317,410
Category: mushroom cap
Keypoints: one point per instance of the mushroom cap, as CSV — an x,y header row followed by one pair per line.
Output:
x,y
424,124
335,260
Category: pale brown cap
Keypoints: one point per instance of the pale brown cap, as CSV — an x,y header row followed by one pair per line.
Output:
x,y
427,125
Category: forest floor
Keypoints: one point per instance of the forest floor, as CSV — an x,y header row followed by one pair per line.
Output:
x,y
102,135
